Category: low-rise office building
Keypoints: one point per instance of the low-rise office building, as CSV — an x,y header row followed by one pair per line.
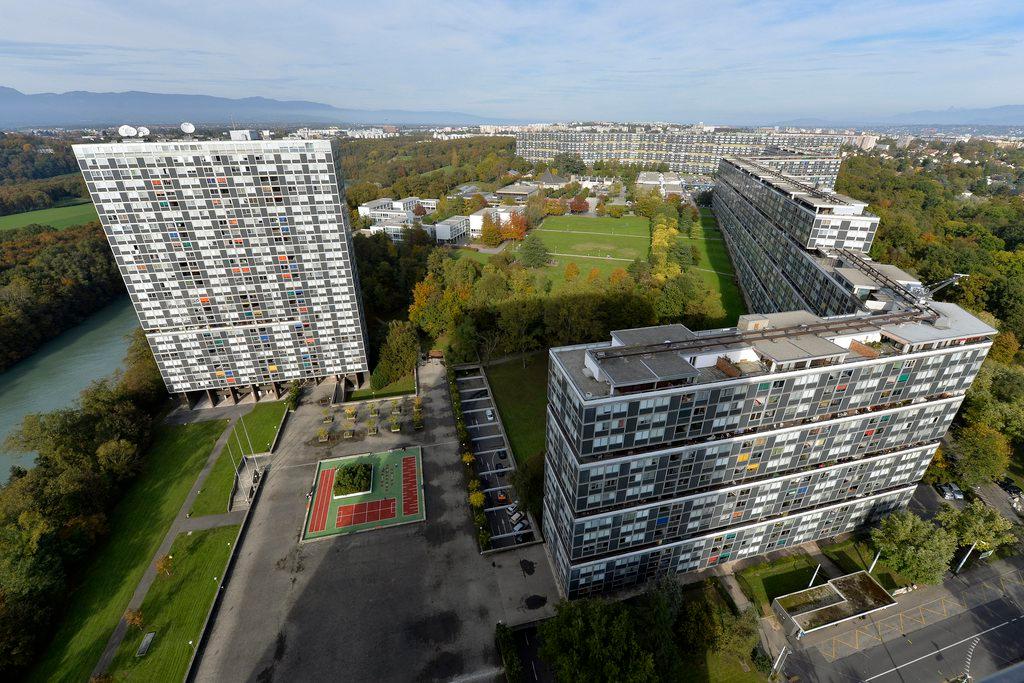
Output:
x,y
518,192
388,209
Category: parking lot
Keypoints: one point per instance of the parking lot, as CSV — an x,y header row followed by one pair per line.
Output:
x,y
495,464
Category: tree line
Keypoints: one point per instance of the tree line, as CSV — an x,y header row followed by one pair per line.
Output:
x,y
53,515
50,281
31,195
30,157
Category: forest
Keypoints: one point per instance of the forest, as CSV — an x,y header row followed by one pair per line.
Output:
x,y
31,195
24,157
933,225
50,281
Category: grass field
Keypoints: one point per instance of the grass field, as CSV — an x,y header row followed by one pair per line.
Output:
x,y
764,582
60,217
712,255
401,387
854,555
261,423
636,226
176,607
521,396
395,495
137,526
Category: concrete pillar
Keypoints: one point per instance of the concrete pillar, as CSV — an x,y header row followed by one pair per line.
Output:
x,y
234,395
212,395
255,392
276,390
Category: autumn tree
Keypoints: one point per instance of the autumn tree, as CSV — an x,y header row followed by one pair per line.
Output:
x,y
418,210
579,204
554,207
1004,347
515,227
133,619
165,565
490,233
618,276
572,271
594,276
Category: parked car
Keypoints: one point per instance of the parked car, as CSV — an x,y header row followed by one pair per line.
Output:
x,y
957,493
513,508
502,455
519,527
490,414
516,518
502,497
945,491
1010,486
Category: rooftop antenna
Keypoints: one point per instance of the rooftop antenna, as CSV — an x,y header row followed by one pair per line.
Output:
x,y
143,131
127,131
187,128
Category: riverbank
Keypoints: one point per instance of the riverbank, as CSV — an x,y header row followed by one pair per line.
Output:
x,y
53,376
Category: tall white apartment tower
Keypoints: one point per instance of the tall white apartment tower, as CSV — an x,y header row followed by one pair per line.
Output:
x,y
238,259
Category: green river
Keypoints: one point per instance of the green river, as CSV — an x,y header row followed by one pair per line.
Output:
x,y
55,374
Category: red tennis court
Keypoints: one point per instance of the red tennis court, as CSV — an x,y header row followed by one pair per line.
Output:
x,y
361,513
410,487
322,503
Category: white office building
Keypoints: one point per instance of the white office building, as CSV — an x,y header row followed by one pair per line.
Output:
x,y
237,257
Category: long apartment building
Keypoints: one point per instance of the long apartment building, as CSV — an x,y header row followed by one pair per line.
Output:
x,y
670,450
237,256
695,150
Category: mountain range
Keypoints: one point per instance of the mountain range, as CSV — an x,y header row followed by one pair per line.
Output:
x,y
83,108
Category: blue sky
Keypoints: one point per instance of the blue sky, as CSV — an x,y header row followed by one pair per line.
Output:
x,y
724,61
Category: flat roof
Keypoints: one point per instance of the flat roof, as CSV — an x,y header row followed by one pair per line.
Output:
x,y
799,347
517,188
799,191
652,335
840,599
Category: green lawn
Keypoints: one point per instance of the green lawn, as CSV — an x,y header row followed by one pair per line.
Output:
x,y
764,582
176,607
625,248
854,555
261,423
60,217
521,396
712,255
406,385
137,526
637,226
464,252
256,430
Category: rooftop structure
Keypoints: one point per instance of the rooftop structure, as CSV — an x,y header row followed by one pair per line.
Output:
x,y
838,600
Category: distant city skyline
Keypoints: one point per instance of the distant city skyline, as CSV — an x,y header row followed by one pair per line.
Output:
x,y
735,62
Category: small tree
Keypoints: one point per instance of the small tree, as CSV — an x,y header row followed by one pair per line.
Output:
x,y
572,271
165,565
476,499
533,253
133,619
579,204
322,435
467,458
594,276
616,210
398,354
418,210
917,549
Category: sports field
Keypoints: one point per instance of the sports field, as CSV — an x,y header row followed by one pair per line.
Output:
x,y
395,495
60,217
604,244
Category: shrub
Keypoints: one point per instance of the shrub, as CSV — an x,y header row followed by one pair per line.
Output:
x,y
352,479
509,654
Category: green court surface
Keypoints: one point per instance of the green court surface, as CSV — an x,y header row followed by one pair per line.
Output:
x,y
395,495
58,217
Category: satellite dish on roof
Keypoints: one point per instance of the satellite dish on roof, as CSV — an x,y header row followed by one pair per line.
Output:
x,y
187,128
127,131
143,131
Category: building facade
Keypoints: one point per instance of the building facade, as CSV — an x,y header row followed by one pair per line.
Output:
x,y
694,150
237,256
671,451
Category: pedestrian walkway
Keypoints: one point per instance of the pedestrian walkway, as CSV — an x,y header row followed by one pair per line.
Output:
x,y
182,524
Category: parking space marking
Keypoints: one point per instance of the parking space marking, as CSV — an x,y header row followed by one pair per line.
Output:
x,y
498,471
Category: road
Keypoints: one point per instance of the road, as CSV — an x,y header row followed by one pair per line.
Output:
x,y
935,653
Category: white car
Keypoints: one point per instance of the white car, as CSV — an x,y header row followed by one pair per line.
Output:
x,y
490,415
